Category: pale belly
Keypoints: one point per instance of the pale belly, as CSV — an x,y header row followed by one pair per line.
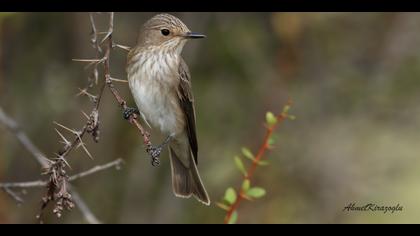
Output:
x,y
158,105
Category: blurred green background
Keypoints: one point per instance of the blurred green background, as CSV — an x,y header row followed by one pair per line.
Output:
x,y
353,77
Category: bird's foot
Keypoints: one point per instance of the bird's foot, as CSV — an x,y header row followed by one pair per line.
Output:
x,y
154,154
156,151
130,111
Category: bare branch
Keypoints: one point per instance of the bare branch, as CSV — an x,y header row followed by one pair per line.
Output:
x,y
42,160
117,164
58,186
18,199
31,184
23,138
87,213
39,183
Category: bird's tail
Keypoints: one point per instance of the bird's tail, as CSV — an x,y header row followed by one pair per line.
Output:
x,y
186,181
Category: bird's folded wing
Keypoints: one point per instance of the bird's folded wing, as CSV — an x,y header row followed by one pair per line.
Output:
x,y
186,101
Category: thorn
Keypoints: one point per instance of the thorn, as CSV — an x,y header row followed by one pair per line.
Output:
x,y
88,60
65,141
68,129
94,63
89,65
119,80
82,92
101,32
62,159
106,37
85,92
126,48
96,74
81,144
50,161
87,117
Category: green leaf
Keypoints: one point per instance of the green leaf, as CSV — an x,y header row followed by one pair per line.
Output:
x,y
246,185
291,117
270,118
233,218
263,163
286,109
240,165
230,196
223,206
247,153
256,192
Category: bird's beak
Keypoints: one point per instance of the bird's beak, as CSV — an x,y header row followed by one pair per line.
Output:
x,y
191,35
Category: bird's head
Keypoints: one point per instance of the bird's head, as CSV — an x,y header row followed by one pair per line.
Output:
x,y
166,32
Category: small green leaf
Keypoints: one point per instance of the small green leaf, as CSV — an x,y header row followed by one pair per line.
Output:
x,y
263,163
291,117
246,185
247,153
256,192
230,196
223,206
233,218
286,109
240,165
270,118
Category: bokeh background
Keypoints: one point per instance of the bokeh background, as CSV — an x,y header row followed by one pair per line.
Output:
x,y
353,78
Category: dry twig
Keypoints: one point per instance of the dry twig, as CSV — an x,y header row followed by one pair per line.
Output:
x,y
39,183
14,128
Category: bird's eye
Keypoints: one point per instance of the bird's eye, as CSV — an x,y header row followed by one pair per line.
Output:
x,y
165,32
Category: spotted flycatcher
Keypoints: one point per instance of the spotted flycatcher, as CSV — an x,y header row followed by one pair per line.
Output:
x,y
160,83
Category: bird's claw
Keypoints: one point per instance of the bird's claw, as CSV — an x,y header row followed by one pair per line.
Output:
x,y
155,162
130,111
155,153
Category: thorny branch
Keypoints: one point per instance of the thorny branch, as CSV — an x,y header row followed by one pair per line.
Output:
x,y
105,60
58,186
14,128
58,179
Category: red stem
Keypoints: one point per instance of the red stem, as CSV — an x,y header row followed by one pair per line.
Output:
x,y
251,170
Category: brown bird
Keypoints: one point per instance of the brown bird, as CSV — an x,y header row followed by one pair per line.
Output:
x,y
160,83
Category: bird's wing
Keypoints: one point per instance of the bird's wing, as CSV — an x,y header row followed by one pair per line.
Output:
x,y
186,101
